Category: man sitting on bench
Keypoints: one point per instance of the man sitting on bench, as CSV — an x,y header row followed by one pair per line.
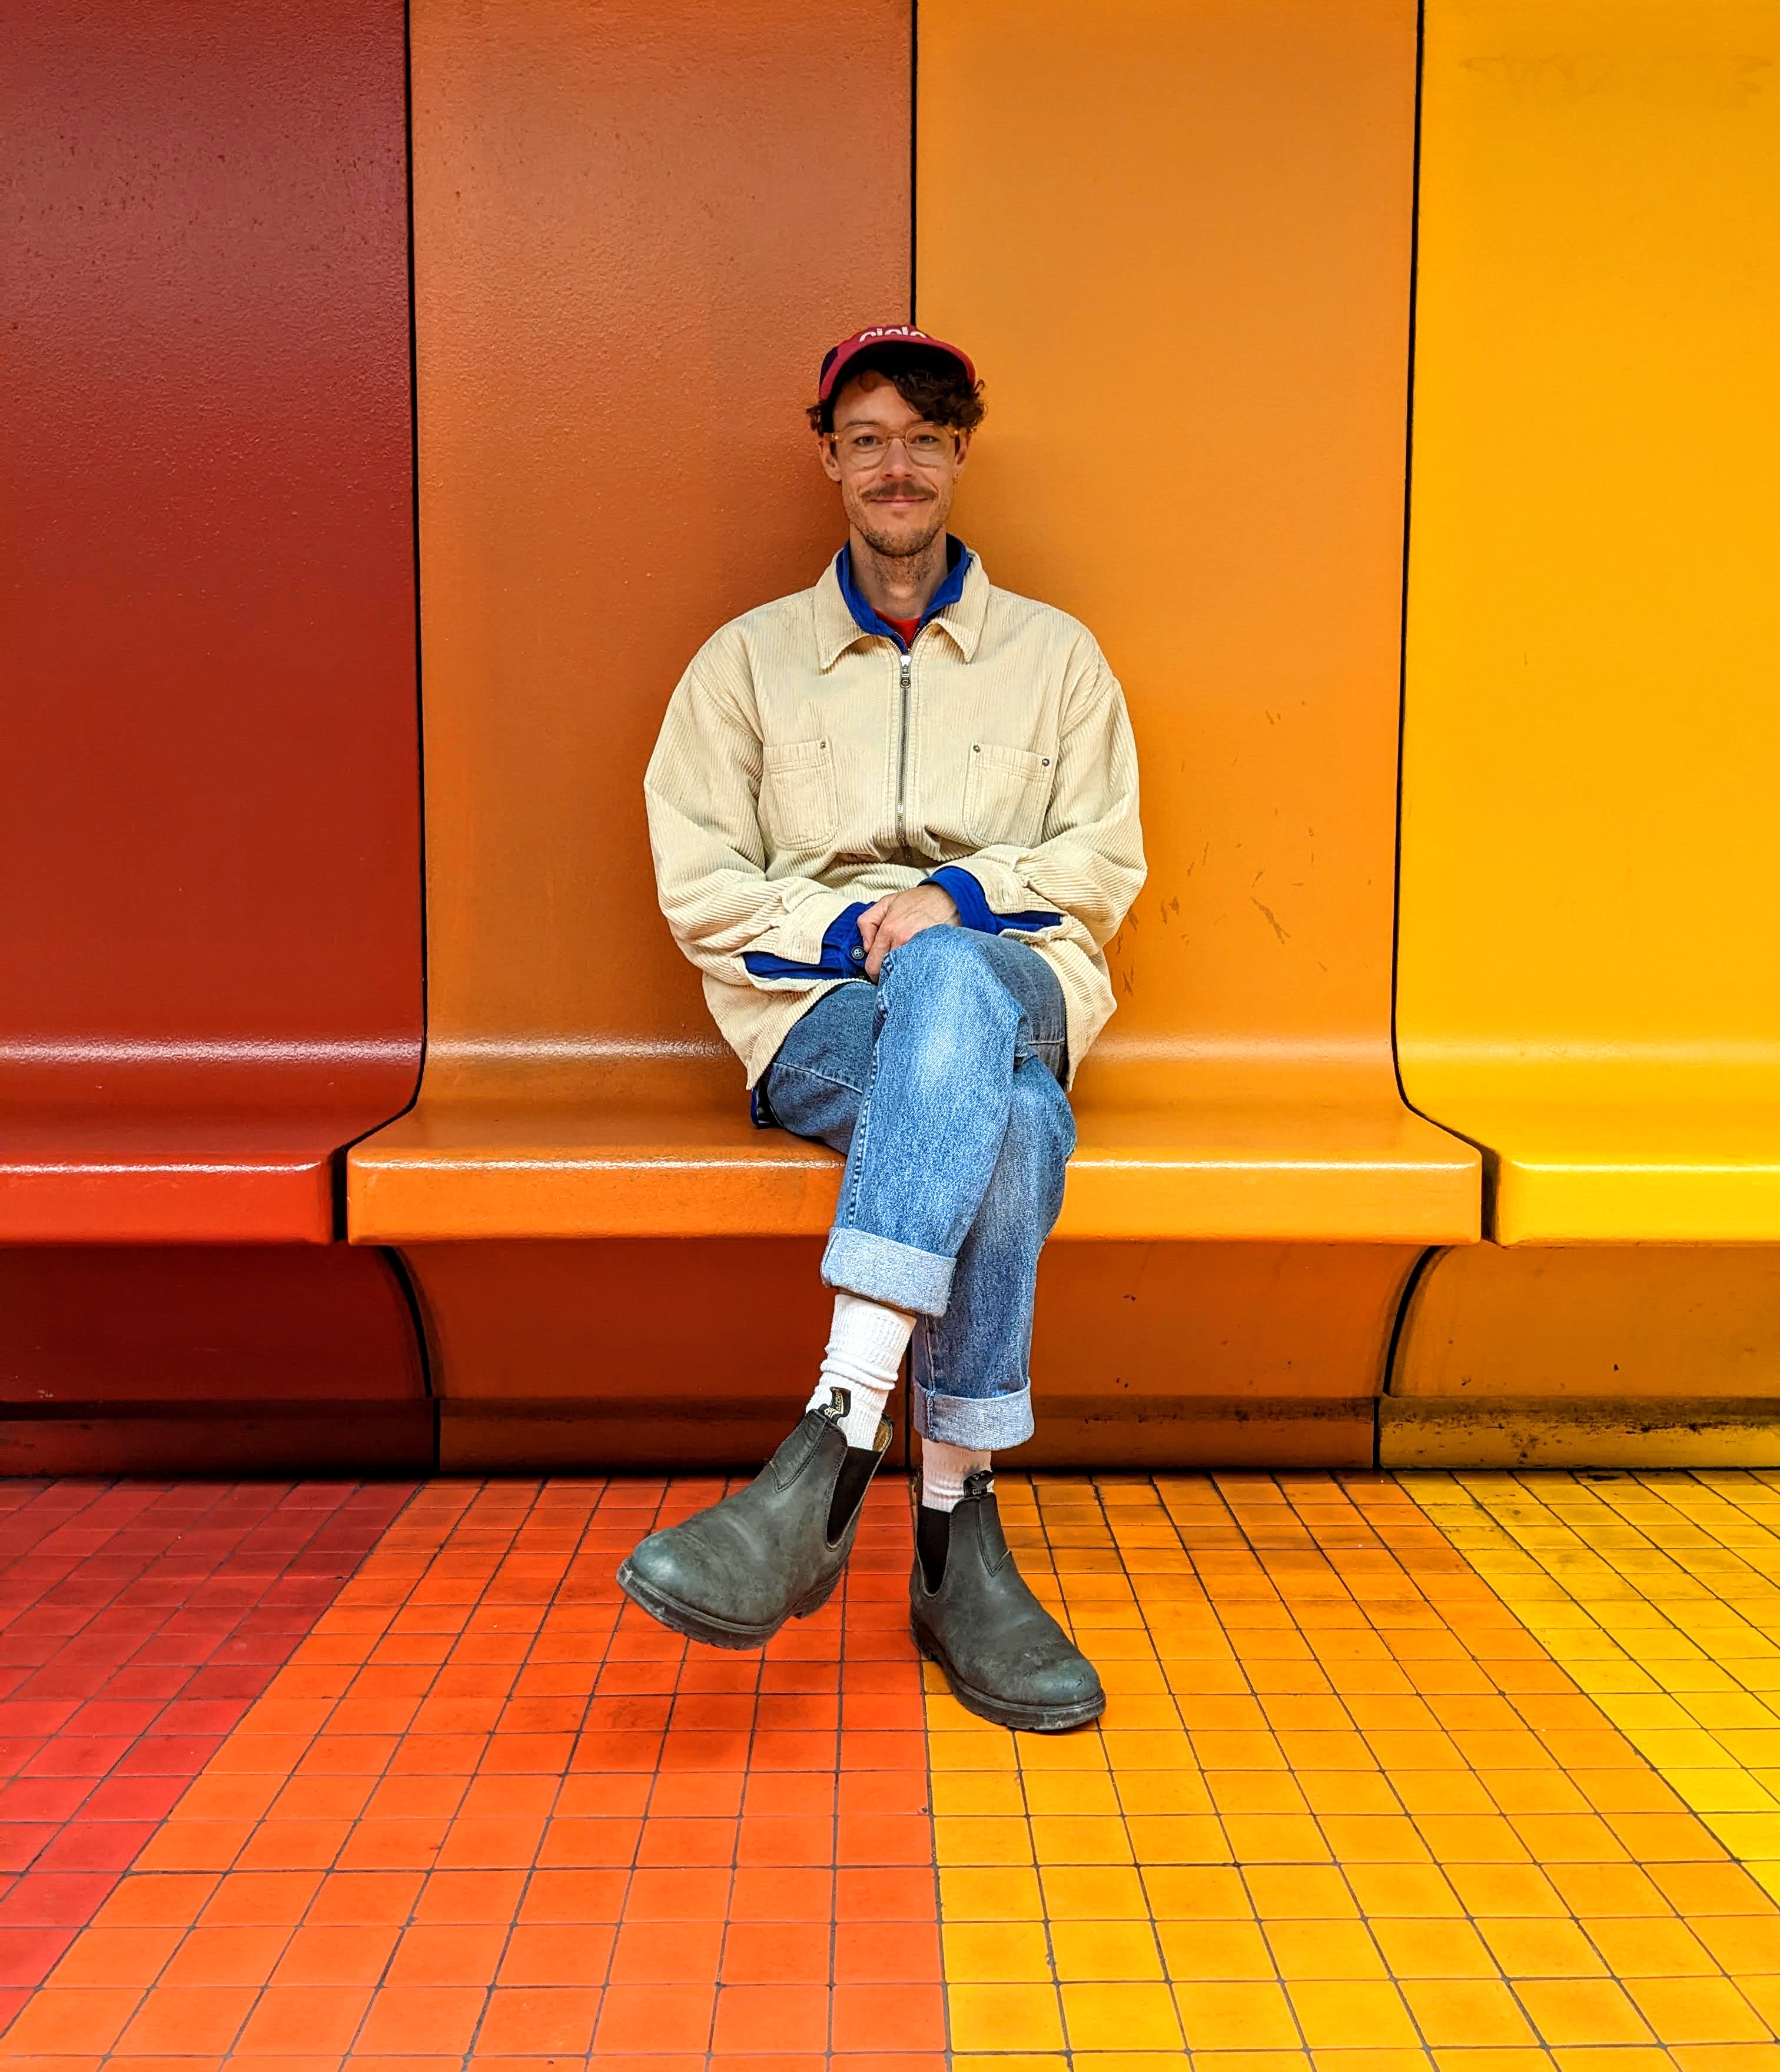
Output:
x,y
894,820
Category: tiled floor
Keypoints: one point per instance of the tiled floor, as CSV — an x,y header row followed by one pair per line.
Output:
x,y
1477,1773
484,1812
137,1622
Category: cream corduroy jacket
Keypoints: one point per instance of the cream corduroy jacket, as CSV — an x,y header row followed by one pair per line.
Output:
x,y
796,772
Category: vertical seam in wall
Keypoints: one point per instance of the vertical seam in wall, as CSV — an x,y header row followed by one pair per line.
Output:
x,y
1417,1274
422,1325
1408,477
914,316
404,1278
413,479
914,147
339,1175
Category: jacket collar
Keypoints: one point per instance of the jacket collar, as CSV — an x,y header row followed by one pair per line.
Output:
x,y
843,618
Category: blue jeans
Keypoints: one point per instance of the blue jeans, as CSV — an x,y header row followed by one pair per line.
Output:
x,y
942,1085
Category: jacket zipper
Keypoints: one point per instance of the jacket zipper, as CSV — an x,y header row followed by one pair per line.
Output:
x,y
904,667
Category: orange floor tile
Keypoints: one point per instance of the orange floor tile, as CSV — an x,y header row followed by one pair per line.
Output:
x,y
1422,1773
486,1814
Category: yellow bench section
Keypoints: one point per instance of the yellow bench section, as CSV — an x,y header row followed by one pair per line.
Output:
x,y
1590,973
1195,336
1589,1356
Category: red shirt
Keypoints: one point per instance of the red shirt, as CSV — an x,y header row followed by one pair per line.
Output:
x,y
907,627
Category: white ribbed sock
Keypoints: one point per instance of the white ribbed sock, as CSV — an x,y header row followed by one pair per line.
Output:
x,y
943,1469
866,1344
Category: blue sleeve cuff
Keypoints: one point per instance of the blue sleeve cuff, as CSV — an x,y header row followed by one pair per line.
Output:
x,y
843,955
974,909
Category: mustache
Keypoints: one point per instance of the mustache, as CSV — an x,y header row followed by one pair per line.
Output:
x,y
912,493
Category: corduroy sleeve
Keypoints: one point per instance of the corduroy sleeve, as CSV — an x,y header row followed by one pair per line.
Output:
x,y
703,789
1089,863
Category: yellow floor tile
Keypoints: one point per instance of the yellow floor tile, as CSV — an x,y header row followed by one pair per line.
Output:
x,y
1492,1890
1192,1951
1132,2060
1201,1892
1698,2011
1053,1792
974,1793
1721,2058
1104,1950
1074,1839
1369,2060
1120,2017
1334,2014
1432,1949
1582,2010
1467,2058
1413,1891
1276,1838
996,1952
1299,1891
1238,2015
1542,1947
1251,2060
1741,1942
1324,1949
969,1838
1152,1791
1455,2013
1641,1948
1004,2017
966,1893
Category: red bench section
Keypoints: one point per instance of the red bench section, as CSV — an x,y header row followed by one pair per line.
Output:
x,y
210,956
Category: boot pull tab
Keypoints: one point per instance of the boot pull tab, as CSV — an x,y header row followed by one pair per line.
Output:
x,y
991,1541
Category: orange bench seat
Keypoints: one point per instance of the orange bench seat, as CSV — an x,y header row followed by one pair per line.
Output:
x,y
1344,1169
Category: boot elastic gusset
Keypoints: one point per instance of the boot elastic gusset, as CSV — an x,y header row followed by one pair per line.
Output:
x,y
733,1575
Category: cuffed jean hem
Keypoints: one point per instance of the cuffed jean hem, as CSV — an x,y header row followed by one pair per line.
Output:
x,y
883,1271
990,1423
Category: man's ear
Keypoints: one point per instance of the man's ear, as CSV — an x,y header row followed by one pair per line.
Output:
x,y
962,451
831,467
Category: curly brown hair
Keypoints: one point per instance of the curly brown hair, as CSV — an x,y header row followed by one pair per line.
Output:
x,y
930,382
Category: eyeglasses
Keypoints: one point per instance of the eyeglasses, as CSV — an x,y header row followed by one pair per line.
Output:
x,y
861,448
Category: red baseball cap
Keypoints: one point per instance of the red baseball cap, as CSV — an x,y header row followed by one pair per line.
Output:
x,y
834,360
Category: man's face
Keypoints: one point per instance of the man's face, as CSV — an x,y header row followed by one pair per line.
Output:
x,y
896,481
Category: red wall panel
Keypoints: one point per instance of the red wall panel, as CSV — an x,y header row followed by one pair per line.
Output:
x,y
209,834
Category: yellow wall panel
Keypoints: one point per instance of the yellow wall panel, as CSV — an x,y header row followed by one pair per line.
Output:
x,y
1589,976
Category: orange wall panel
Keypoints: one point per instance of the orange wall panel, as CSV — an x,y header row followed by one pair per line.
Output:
x,y
1177,240
636,229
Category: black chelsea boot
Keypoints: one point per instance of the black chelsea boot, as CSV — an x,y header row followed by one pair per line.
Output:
x,y
731,1576
1005,1657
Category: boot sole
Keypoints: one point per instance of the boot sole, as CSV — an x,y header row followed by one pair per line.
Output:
x,y
1023,1719
701,1626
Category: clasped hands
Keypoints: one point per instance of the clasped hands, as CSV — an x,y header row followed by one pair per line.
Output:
x,y
888,923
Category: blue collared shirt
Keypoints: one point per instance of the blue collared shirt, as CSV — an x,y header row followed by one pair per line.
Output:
x,y
957,565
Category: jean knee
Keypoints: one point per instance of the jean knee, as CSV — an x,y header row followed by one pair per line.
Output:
x,y
1041,1122
944,972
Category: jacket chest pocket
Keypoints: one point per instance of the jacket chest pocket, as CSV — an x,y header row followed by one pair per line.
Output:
x,y
1006,791
799,809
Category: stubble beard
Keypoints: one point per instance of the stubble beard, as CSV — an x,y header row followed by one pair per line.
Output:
x,y
898,546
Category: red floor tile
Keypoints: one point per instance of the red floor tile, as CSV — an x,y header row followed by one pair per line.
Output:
x,y
142,1620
